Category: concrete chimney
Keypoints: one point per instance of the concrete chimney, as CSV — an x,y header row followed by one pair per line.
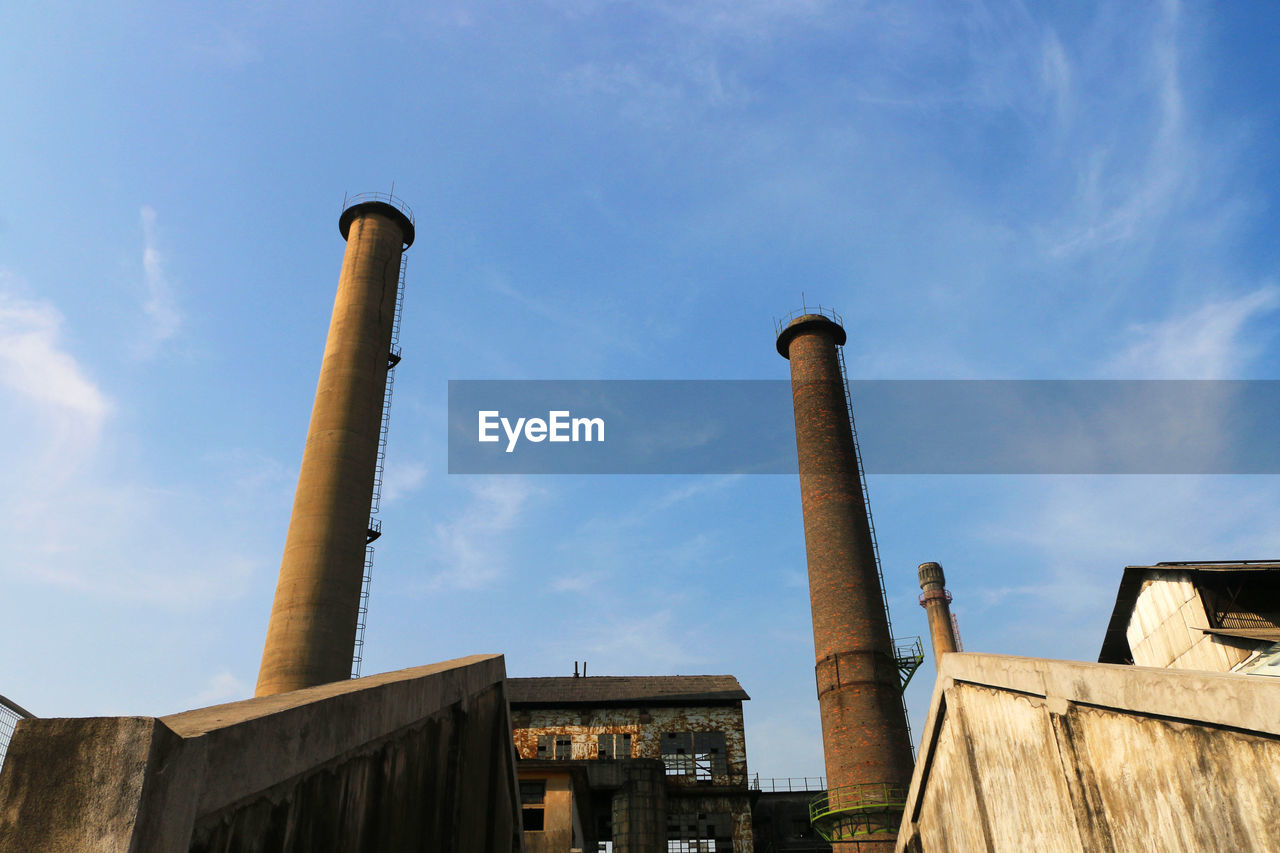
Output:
x,y
311,635
864,728
936,601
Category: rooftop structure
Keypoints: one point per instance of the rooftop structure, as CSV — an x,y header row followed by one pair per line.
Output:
x,y
1212,616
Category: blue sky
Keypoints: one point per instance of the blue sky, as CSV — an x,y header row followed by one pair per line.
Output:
x,y
603,190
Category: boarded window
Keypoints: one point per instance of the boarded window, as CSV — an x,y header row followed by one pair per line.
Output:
x,y
613,746
564,747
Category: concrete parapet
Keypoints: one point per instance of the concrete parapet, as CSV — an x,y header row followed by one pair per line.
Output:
x,y
419,759
1033,754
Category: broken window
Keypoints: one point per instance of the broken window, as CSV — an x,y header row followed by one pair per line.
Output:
x,y
533,797
558,747
613,746
700,833
697,754
677,753
709,756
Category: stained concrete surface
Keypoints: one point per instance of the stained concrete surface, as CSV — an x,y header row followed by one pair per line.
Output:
x,y
1032,754
419,759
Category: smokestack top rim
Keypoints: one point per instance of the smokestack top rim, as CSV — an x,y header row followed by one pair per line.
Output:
x,y
810,322
931,574
381,203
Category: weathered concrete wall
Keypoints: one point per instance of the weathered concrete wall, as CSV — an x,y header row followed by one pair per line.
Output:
x,y
1031,754
414,760
1165,629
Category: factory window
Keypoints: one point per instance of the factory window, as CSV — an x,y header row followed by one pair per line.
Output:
x,y
702,833
614,746
697,754
533,797
677,753
558,747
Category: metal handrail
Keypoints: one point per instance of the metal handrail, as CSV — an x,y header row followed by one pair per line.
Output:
x,y
796,784
831,812
386,198
16,708
780,323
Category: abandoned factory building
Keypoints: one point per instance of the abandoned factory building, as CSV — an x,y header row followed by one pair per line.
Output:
x,y
632,764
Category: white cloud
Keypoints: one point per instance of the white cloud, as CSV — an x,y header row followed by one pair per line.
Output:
x,y
221,687
472,545
160,306
1055,74
401,480
1132,180
56,413
68,518
1209,342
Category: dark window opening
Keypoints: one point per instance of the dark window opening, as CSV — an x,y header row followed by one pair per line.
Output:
x,y
1246,600
613,746
564,747
532,819
702,833
533,796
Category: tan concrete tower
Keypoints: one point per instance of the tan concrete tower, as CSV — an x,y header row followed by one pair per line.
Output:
x,y
311,635
936,601
864,727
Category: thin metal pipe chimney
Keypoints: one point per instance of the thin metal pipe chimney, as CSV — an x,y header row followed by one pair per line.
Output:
x,y
864,728
311,635
936,601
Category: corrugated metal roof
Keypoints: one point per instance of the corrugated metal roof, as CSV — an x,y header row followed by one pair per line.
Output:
x,y
625,689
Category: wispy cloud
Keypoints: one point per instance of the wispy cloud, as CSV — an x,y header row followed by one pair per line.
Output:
x,y
1131,180
473,544
401,480
160,305
68,516
221,687
1216,340
44,382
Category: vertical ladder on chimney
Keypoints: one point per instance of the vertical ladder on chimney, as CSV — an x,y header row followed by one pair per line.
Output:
x,y
375,525
910,654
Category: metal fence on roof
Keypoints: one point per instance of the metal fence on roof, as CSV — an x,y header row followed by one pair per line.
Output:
x,y
10,713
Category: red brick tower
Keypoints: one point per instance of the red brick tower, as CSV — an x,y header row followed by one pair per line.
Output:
x,y
864,727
